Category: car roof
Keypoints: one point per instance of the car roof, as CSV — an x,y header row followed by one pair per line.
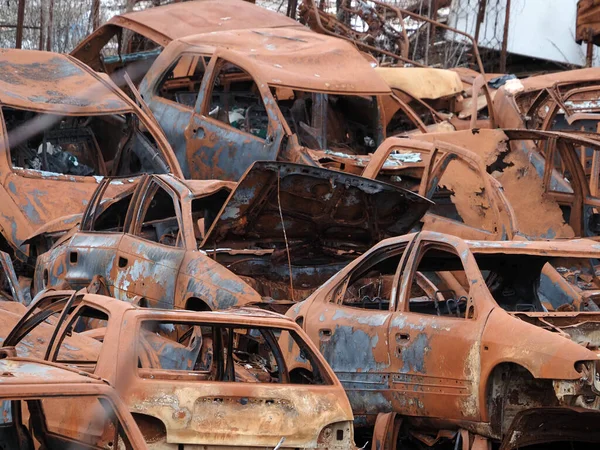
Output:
x,y
34,371
242,315
422,82
51,82
575,248
567,77
296,58
199,16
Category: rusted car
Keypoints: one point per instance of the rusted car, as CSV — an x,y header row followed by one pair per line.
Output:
x,y
195,378
269,94
131,42
47,406
566,101
547,200
453,334
277,234
62,128
275,91
562,101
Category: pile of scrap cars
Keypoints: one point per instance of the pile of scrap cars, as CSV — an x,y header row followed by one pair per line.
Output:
x,y
245,231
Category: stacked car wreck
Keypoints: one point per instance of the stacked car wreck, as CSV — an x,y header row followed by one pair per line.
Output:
x,y
253,233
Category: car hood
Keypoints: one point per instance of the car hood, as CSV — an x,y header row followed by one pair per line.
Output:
x,y
275,201
581,327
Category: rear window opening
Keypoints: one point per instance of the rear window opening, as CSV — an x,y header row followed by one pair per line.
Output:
x,y
102,145
222,353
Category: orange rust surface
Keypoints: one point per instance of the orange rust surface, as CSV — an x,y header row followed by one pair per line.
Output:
x,y
442,371
216,247
77,417
192,17
45,82
191,405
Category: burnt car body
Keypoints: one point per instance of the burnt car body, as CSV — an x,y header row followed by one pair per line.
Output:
x,y
254,85
477,180
453,334
132,41
277,234
269,94
547,200
61,408
62,128
209,379
566,101
563,101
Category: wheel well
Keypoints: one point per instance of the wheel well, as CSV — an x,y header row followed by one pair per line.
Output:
x,y
196,304
511,387
153,429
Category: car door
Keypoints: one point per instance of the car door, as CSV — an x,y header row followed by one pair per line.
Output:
x,y
92,249
351,329
150,254
172,96
434,335
235,122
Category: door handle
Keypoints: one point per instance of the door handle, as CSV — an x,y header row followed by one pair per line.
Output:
x,y
325,334
402,338
123,262
198,132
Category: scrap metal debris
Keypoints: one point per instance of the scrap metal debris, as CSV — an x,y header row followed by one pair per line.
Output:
x,y
310,234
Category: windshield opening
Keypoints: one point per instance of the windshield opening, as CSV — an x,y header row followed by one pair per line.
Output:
x,y
94,145
330,122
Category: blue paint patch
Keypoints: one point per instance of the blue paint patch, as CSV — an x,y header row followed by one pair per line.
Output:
x,y
413,355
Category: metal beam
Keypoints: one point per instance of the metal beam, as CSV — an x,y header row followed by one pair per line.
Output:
x,y
20,23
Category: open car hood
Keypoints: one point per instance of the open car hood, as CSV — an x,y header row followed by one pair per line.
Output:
x,y
318,205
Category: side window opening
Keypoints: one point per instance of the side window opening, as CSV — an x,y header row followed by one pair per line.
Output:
x,y
371,284
81,340
343,123
561,178
220,352
236,101
401,122
107,211
205,211
99,145
514,280
181,83
159,221
112,217
34,343
439,286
